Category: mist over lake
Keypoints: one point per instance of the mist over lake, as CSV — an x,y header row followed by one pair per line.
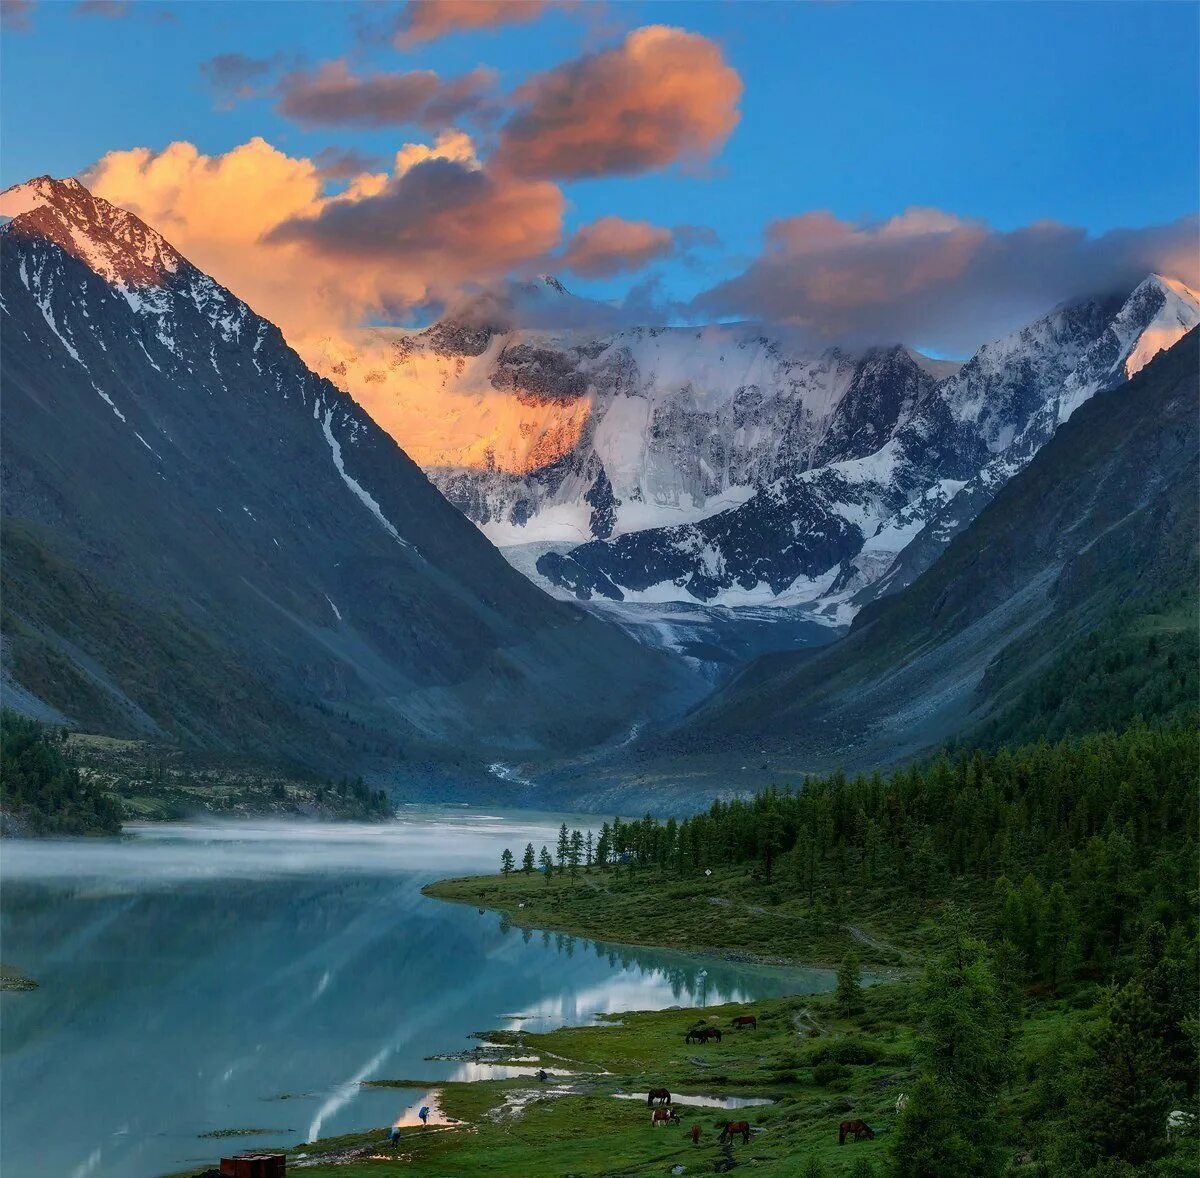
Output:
x,y
192,975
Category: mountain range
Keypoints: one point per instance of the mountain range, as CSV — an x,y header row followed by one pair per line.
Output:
x,y
722,465
206,540
1098,531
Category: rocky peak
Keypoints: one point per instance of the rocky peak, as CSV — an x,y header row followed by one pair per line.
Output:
x,y
112,242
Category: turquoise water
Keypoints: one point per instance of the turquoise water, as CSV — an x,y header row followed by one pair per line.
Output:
x,y
193,975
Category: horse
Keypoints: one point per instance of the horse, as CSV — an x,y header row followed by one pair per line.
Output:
x,y
663,1116
733,1128
702,1035
860,1129
745,1020
695,1131
659,1094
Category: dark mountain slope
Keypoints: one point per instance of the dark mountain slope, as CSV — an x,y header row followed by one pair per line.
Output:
x,y
1104,518
205,539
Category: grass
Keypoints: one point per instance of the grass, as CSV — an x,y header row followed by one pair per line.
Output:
x,y
733,914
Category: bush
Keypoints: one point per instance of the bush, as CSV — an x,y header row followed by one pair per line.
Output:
x,y
829,1073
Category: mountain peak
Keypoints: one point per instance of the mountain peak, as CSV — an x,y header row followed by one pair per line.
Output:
x,y
1158,313
114,243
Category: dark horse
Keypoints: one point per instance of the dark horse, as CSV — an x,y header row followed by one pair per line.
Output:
x,y
745,1020
702,1035
733,1128
860,1129
659,1094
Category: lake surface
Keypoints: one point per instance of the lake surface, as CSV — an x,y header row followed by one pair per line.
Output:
x,y
199,977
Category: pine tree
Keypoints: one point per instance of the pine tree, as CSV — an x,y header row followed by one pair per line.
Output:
x,y
506,862
588,848
547,864
849,985
575,851
527,860
564,847
950,1126
1126,1093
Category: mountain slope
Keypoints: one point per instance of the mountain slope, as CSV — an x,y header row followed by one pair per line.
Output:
x,y
204,538
1102,518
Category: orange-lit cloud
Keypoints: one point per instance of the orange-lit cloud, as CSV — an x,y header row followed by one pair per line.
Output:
x,y
612,245
660,96
934,279
427,20
332,95
260,222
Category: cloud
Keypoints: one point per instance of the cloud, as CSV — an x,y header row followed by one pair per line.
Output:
x,y
612,245
234,76
261,223
427,20
344,163
937,280
446,219
15,14
331,95
660,96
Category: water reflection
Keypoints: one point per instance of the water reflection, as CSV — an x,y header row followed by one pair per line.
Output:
x,y
191,976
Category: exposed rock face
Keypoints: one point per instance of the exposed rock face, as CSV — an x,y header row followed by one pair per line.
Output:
x,y
204,537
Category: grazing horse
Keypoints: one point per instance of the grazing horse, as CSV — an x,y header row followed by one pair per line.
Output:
x,y
745,1020
860,1129
702,1035
664,1116
733,1128
695,1131
659,1094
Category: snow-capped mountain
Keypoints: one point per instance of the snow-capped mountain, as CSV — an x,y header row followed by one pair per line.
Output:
x,y
724,465
844,524
204,537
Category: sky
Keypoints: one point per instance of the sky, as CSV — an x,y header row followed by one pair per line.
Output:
x,y
936,173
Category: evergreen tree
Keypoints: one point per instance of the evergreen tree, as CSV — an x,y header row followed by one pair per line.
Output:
x,y
575,851
849,985
506,862
964,1054
1125,1090
546,863
588,850
527,861
564,847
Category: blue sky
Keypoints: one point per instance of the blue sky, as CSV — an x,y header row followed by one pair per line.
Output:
x,y
1013,113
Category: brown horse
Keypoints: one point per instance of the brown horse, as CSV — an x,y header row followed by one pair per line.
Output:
x,y
702,1035
860,1129
695,1131
664,1116
659,1094
745,1020
733,1128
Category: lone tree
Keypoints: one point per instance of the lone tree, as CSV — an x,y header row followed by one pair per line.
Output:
x,y
506,862
527,861
849,984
